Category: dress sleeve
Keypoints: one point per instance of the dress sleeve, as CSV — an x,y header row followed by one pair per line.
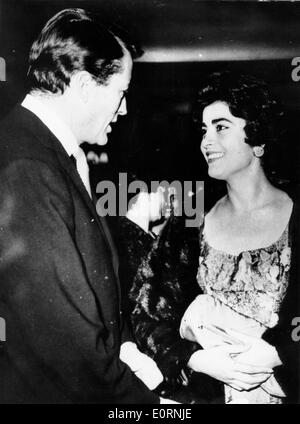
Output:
x,y
163,288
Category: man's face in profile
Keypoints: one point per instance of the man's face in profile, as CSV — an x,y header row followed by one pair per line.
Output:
x,y
107,102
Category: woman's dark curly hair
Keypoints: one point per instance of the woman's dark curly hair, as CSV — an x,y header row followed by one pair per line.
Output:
x,y
247,98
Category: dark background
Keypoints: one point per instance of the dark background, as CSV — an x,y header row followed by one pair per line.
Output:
x,y
183,41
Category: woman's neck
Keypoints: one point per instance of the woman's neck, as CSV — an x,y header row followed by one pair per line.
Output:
x,y
249,191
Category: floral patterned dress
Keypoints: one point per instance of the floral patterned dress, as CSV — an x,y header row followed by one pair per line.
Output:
x,y
243,292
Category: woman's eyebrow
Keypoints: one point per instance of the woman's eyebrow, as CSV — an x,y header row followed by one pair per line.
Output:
x,y
215,121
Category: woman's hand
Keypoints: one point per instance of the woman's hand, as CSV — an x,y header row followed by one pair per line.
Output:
x,y
218,362
259,353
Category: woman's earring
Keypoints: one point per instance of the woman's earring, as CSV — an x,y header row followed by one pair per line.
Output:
x,y
258,151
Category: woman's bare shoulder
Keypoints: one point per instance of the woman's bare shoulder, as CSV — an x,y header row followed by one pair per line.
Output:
x,y
217,208
282,201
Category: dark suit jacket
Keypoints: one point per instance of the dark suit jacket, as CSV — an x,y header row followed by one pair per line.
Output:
x,y
59,293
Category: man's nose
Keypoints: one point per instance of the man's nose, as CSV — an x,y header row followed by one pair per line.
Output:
x,y
123,107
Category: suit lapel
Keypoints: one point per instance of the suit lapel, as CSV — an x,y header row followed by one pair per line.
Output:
x,y
70,169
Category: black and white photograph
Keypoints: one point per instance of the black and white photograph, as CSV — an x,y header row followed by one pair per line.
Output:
x,y
149,204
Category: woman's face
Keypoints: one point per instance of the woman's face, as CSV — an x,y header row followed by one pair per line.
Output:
x,y
223,142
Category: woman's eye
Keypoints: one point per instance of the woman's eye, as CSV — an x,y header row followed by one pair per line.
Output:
x,y
220,127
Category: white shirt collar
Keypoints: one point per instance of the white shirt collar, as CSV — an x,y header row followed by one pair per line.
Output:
x,y
52,121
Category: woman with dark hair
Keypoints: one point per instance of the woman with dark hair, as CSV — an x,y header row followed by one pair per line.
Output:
x,y
245,247
244,261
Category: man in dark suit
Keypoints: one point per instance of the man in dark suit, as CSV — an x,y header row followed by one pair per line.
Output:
x,y
59,291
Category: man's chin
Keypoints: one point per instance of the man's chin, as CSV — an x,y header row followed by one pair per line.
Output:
x,y
102,141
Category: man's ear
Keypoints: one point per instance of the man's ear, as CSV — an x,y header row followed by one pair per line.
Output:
x,y
82,83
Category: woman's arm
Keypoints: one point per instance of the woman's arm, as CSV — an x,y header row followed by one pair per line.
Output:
x,y
285,337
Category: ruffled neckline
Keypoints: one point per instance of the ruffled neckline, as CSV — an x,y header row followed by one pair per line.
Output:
x,y
271,247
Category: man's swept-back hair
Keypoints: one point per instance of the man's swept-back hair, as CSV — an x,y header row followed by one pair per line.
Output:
x,y
73,41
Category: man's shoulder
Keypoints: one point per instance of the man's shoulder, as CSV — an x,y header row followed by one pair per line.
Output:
x,y
24,136
20,122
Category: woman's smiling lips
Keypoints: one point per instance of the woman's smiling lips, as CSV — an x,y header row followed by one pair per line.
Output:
x,y
213,156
